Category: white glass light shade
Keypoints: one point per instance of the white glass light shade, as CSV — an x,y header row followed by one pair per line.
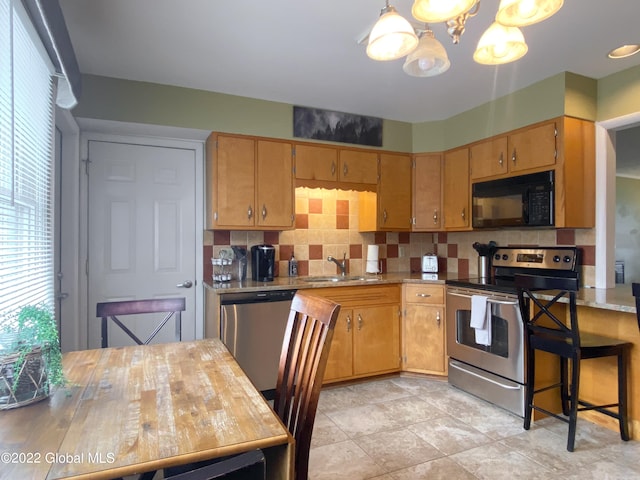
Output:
x,y
391,37
435,11
520,13
428,59
500,44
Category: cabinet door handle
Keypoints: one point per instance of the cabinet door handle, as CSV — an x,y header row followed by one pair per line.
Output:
x,y
438,318
435,217
463,213
359,322
333,169
384,216
345,169
423,295
514,156
249,212
501,159
348,323
264,211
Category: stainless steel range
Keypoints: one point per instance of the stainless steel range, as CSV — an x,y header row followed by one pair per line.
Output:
x,y
486,343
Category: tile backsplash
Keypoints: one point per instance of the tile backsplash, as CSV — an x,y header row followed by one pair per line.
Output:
x,y
327,224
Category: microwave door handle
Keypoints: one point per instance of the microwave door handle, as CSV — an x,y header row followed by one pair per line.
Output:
x,y
525,207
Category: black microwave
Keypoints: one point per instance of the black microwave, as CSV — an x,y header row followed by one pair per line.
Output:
x,y
521,201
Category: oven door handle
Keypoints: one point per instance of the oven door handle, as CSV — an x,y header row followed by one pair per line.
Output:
x,y
489,299
502,385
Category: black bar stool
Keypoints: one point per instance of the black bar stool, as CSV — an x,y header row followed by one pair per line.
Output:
x,y
635,289
548,333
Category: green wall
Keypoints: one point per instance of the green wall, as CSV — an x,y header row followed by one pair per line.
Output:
x,y
619,94
108,98
563,94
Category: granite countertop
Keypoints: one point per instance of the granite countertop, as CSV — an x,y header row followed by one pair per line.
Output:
x,y
283,283
618,298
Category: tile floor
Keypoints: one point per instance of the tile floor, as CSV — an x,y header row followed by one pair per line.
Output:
x,y
410,428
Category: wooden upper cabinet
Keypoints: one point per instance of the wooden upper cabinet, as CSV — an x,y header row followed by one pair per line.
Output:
x,y
249,183
394,192
230,182
275,191
456,194
533,147
315,162
358,166
427,192
489,158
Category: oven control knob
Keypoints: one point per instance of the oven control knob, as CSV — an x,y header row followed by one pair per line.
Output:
x,y
505,256
497,256
567,259
556,258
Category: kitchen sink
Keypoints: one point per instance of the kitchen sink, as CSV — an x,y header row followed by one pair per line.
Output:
x,y
339,278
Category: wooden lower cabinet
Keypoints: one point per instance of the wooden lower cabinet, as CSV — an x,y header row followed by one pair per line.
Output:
x,y
423,329
366,340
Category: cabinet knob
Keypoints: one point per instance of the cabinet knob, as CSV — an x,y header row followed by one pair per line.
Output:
x,y
359,322
438,318
345,169
435,217
348,323
264,211
333,169
463,213
501,159
249,212
514,156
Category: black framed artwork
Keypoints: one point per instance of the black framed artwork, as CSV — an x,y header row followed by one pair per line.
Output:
x,y
319,124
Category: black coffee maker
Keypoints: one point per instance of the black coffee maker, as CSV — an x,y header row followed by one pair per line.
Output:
x,y
263,260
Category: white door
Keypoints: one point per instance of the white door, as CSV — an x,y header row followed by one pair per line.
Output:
x,y
141,235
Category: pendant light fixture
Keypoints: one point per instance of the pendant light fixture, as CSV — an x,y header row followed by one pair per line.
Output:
x,y
434,11
500,44
428,59
392,36
520,13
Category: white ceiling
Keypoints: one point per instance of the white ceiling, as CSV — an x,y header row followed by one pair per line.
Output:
x,y
305,53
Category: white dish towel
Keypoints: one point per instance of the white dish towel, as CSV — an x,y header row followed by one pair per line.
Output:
x,y
481,319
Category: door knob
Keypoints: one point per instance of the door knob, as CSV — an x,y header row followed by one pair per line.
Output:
x,y
185,284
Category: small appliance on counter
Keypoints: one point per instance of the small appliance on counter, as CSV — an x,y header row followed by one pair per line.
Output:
x,y
263,260
429,263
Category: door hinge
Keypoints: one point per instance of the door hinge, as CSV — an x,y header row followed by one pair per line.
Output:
x,y
86,162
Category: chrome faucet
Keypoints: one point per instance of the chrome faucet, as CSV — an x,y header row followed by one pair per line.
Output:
x,y
342,265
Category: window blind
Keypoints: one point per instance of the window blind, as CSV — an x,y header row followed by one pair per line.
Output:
x,y
26,164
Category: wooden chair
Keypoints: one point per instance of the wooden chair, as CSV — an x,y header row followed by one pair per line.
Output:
x,y
635,289
172,307
303,359
546,332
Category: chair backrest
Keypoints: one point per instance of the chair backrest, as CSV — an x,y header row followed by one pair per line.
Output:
x,y
305,350
171,307
551,333
635,289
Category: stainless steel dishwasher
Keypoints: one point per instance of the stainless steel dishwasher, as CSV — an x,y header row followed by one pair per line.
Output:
x,y
252,326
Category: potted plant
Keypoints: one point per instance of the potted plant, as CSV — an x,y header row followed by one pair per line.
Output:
x,y
30,357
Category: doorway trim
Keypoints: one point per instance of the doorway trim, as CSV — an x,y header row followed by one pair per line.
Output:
x,y
606,196
142,134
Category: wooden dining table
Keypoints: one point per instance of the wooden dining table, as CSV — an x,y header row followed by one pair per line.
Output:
x,y
129,410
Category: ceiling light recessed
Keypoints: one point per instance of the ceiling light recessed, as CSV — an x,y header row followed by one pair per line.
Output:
x,y
624,51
